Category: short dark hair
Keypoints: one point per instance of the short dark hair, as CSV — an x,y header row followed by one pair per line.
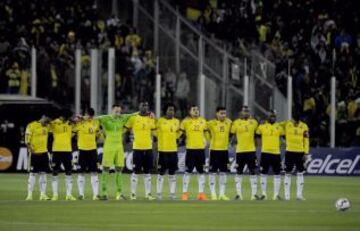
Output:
x,y
191,106
90,111
165,108
220,108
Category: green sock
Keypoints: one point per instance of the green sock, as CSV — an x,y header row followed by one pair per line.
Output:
x,y
118,180
104,182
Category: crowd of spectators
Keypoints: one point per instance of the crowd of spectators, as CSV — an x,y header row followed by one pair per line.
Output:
x,y
318,38
56,29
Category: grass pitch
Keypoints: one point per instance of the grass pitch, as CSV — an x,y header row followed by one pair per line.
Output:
x,y
316,213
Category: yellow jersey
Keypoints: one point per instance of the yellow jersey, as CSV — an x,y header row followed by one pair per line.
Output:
x,y
36,136
219,134
296,137
167,134
62,133
270,137
87,131
142,127
245,134
194,129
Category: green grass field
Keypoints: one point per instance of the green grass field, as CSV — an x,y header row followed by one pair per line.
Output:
x,y
316,213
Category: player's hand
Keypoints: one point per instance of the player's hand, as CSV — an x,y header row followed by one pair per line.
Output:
x,y
30,149
152,115
306,160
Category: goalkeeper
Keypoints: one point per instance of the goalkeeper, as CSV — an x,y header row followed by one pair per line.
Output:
x,y
113,154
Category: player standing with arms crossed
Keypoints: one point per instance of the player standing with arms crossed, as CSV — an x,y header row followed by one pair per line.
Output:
x,y
36,140
194,128
297,149
87,130
219,130
244,128
62,130
167,131
270,133
142,127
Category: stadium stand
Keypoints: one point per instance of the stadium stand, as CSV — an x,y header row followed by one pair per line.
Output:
x,y
56,29
319,38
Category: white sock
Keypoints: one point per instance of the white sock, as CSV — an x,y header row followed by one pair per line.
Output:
x,y
95,183
277,182
172,183
159,184
134,180
222,183
54,185
147,184
42,182
81,184
201,182
287,184
186,181
31,183
212,183
299,184
263,182
238,181
69,184
253,183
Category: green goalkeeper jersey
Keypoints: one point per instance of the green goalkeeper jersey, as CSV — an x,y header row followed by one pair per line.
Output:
x,y
113,128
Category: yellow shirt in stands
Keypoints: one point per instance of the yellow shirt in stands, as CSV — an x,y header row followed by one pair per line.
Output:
x,y
87,131
270,137
296,137
219,134
245,134
167,134
62,133
194,129
142,127
36,135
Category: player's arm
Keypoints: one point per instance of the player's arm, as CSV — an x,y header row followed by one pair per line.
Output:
x,y
182,133
306,140
232,135
154,130
129,121
207,133
28,136
258,134
128,116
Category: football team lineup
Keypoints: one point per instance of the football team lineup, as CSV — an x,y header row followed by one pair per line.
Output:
x,y
245,132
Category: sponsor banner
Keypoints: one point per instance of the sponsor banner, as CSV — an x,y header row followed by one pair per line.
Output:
x,y
322,161
336,162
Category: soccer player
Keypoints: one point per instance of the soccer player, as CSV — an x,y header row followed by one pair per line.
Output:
x,y
194,128
62,130
219,130
113,154
270,133
167,135
36,140
87,130
297,149
142,127
244,128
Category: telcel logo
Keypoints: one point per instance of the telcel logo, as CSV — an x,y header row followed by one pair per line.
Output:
x,y
331,165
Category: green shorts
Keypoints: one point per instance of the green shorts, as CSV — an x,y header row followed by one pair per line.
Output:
x,y
113,157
